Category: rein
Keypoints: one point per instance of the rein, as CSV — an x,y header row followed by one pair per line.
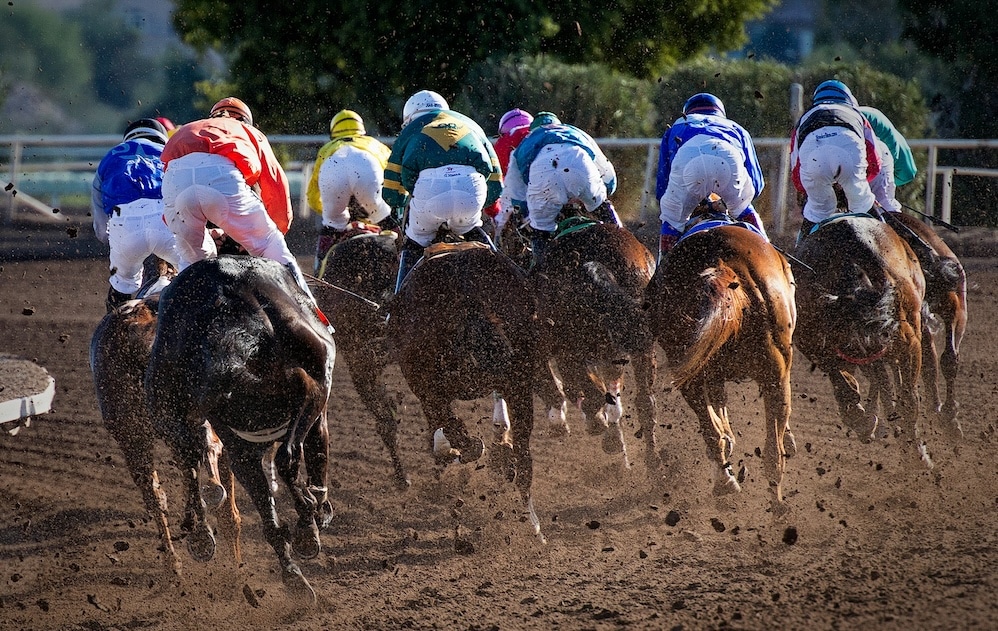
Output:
x,y
369,303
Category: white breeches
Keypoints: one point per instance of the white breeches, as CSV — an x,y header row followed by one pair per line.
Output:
x,y
453,195
882,185
705,165
833,155
135,231
351,172
561,174
202,187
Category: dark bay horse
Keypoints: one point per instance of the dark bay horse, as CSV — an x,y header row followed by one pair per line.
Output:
x,y
239,344
860,300
462,328
590,300
722,308
946,299
365,266
119,354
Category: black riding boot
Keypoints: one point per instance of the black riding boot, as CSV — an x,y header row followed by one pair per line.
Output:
x,y
478,234
115,299
539,241
328,237
410,254
805,228
606,213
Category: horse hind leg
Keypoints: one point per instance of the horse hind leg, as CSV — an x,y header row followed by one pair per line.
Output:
x,y
501,458
776,399
715,429
229,519
644,378
365,372
949,362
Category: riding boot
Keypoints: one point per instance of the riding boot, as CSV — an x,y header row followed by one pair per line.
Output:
x,y
539,241
115,299
606,213
806,226
410,254
328,237
478,234
666,241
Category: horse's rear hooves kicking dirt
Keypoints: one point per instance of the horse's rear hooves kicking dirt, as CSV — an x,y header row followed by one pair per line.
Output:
x,y
201,543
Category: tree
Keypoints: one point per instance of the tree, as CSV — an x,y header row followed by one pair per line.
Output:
x,y
313,57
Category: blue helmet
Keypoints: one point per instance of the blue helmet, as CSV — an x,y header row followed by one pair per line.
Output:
x,y
704,103
833,91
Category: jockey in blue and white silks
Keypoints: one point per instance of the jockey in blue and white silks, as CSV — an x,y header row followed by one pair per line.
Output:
x,y
127,206
705,152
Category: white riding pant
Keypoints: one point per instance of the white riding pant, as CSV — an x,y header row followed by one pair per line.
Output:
x,y
559,175
203,187
453,195
704,165
134,231
882,185
831,155
351,172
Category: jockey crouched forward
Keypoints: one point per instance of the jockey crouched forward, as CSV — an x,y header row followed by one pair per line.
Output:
x,y
214,168
444,168
705,152
348,175
833,144
554,166
127,207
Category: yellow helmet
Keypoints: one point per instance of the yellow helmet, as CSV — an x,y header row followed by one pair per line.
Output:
x,y
346,123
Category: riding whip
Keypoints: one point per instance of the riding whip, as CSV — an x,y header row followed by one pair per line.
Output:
x,y
369,303
935,220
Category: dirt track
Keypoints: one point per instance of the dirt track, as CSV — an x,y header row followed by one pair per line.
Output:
x,y
879,543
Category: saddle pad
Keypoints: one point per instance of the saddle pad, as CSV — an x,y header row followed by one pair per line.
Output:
x,y
841,217
573,224
714,223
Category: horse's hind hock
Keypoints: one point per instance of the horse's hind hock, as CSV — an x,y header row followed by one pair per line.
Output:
x,y
323,507
725,482
201,543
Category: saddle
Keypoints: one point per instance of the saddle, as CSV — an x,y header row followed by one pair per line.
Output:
x,y
443,248
711,213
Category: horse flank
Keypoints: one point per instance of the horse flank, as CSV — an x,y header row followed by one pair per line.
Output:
x,y
724,300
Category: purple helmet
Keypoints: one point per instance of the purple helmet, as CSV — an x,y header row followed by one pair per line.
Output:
x,y
704,103
513,120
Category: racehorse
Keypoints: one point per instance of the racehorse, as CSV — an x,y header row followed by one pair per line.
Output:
x,y
463,327
722,308
860,299
357,273
590,300
946,299
240,345
119,355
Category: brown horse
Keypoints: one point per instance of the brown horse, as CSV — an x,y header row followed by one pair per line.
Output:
x,y
365,267
590,300
722,308
462,328
946,298
240,345
860,299
119,355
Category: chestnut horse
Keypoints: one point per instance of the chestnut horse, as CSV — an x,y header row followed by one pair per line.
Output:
x,y
462,328
946,299
365,266
119,355
860,299
590,300
239,344
722,308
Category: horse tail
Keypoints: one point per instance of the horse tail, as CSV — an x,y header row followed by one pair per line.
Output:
x,y
866,309
722,307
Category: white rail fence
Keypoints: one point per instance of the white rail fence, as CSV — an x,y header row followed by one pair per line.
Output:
x,y
26,158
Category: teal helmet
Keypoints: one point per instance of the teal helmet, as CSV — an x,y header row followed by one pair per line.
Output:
x,y
544,118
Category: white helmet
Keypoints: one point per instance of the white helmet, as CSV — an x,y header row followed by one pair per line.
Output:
x,y
422,101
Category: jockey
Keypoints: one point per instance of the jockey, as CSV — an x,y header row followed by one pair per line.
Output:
x,y
705,152
444,168
556,165
127,207
897,162
350,166
214,168
513,128
833,144
168,124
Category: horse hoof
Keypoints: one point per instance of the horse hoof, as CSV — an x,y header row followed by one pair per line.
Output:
x,y
324,515
299,588
472,451
559,429
201,543
306,542
213,495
